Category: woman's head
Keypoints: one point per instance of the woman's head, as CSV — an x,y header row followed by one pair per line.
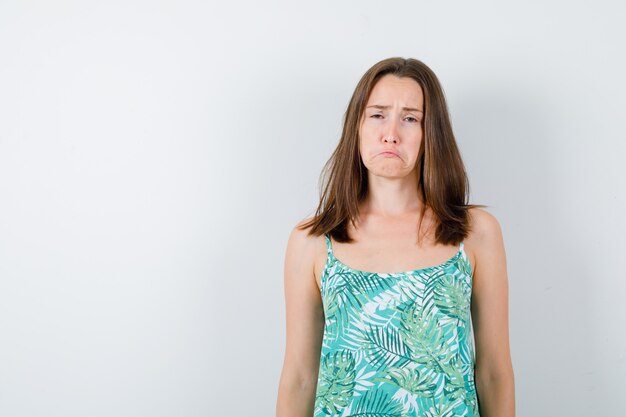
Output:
x,y
429,150
435,121
390,129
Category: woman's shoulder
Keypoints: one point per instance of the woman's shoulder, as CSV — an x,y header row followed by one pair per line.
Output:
x,y
485,238
483,225
305,251
303,244
300,232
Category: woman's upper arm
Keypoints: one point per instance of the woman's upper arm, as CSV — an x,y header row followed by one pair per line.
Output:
x,y
304,311
490,304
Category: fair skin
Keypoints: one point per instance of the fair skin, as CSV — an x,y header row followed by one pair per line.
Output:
x,y
386,241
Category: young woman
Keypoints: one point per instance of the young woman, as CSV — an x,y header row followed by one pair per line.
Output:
x,y
381,281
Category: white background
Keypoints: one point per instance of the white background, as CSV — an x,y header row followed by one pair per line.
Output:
x,y
154,157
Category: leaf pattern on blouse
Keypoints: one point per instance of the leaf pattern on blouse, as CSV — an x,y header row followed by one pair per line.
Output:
x,y
397,344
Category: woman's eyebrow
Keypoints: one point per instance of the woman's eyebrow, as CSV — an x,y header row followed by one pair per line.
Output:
x,y
378,106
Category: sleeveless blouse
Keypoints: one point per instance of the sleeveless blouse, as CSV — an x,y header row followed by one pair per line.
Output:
x,y
397,344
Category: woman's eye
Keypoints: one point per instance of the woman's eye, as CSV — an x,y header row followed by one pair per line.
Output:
x,y
376,116
411,119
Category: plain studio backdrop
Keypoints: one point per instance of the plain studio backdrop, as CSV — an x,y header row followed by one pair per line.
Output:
x,y
154,157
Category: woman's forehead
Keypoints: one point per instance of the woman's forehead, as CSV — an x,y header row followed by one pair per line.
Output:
x,y
391,88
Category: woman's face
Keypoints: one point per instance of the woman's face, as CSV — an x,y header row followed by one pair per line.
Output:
x,y
392,122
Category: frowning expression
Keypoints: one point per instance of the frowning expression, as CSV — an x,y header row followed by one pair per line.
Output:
x,y
391,129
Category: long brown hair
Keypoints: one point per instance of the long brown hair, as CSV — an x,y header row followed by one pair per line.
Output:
x,y
442,179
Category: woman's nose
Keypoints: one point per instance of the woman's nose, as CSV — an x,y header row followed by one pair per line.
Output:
x,y
391,134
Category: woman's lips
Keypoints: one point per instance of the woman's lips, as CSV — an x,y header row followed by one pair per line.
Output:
x,y
388,153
